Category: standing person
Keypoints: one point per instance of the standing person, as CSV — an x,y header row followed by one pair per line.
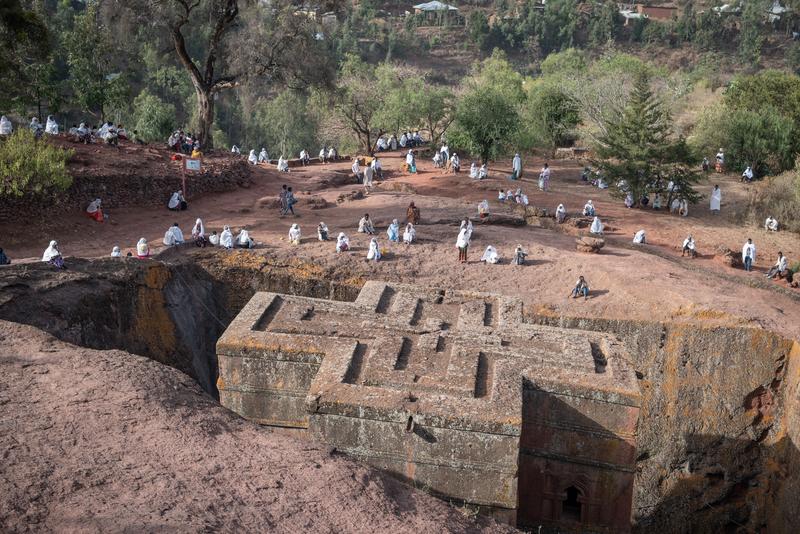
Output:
x,y
716,200
544,178
282,200
377,168
581,288
455,163
356,170
290,201
304,157
706,164
322,155
412,213
516,167
462,243
322,231
519,256
748,255
393,142
294,234
561,213
369,172
473,171
720,161
445,152
411,162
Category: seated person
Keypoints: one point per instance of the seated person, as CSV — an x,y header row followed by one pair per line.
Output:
x,y
53,256
639,238
473,171
689,247
490,255
236,150
365,225
455,163
142,249
581,288
519,256
283,164
226,237
3,258
588,209
374,252
780,267
252,159
597,226
561,213
214,238
177,202
173,236
93,211
322,231
294,234
304,157
263,157
409,234
393,232
51,126
771,224
5,126
243,240
342,243
36,127
483,172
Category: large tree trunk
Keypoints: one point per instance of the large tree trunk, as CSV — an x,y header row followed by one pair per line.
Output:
x,y
205,117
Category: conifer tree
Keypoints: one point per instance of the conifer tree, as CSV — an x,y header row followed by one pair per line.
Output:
x,y
638,154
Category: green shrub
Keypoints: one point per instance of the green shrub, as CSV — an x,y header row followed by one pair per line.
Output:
x,y
30,167
779,198
154,118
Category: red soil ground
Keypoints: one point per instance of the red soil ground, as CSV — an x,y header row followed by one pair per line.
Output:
x,y
651,281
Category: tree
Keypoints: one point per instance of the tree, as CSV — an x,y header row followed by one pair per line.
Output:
x,y
751,37
23,42
96,83
154,118
357,99
638,153
285,125
434,107
603,27
222,44
550,115
28,167
486,121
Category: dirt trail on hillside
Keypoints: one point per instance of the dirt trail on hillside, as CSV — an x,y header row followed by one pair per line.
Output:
x,y
105,441
649,282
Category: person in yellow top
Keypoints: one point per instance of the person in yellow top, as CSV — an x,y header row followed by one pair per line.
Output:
x,y
196,154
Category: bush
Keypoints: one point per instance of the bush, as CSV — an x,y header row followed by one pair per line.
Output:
x,y
779,198
154,118
30,167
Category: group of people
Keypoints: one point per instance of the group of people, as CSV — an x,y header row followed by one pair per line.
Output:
x,y
407,140
185,143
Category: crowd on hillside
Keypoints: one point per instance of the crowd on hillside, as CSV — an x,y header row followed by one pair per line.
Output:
x,y
107,132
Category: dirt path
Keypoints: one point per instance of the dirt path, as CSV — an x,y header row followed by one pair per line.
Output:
x,y
652,281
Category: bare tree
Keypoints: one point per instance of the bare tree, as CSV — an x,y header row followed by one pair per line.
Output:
x,y
224,43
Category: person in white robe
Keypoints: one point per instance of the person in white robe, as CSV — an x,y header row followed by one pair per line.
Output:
x,y
294,234
437,160
94,211
342,243
369,172
640,238
142,248
226,237
236,150
683,208
283,164
748,255
473,171
544,178
243,240
689,247
716,200
483,209
483,172
214,238
53,255
780,267
675,206
522,199
403,141
462,242
561,213
720,161
365,225
393,142
6,128
516,167
381,144
377,168
657,202
322,155
445,152
304,157
51,126
252,158
747,175
501,196
409,234
393,232
629,200
116,252
588,209
455,163
176,201
374,252
411,162
466,224
490,255
198,230
356,168
333,155
35,127
771,224
263,157
597,226
173,236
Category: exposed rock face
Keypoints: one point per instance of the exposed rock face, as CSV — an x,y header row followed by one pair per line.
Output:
x,y
451,391
106,441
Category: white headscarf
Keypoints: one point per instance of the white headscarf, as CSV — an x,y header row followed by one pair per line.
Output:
x,y
463,238
490,255
294,232
561,209
51,252
688,241
51,126
93,206
342,240
226,237
252,158
244,237
374,252
175,200
409,234
115,252
5,126
639,237
597,226
198,230
141,247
